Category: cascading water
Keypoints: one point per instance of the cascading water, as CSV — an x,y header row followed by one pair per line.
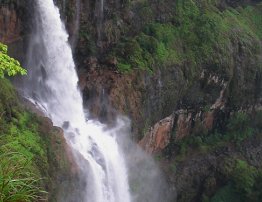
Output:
x,y
52,85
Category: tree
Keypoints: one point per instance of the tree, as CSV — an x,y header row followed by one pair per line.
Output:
x,y
9,65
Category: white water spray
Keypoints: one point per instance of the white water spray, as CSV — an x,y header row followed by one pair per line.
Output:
x,y
52,85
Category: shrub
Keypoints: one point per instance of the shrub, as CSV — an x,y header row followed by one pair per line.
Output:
x,y
199,34
225,194
239,127
244,177
9,65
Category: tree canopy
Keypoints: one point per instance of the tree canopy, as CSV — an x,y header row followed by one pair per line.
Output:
x,y
9,65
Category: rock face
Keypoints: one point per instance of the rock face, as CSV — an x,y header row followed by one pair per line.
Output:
x,y
204,174
201,97
64,181
145,97
62,173
14,20
184,122
15,26
62,167
158,137
10,25
106,93
148,98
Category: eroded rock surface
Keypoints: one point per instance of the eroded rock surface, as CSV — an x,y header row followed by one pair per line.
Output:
x,y
158,137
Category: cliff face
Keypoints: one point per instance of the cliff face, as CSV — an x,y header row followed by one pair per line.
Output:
x,y
10,24
181,70
204,82
188,74
15,25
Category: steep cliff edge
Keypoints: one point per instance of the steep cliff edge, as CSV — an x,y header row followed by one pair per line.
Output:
x,y
197,63
206,58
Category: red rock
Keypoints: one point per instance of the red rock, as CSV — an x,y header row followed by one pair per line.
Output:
x,y
209,120
158,137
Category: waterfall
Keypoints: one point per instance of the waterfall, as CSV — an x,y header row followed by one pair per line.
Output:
x,y
52,85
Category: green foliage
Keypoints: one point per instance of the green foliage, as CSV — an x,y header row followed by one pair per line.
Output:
x,y
124,67
238,129
8,99
22,150
9,65
243,181
244,184
199,34
17,182
244,177
22,137
145,12
225,194
155,45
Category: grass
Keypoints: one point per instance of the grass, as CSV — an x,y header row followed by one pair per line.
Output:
x,y
22,150
17,182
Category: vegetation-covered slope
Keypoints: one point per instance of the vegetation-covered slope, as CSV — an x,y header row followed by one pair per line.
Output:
x,y
34,154
199,33
23,154
200,60
34,158
223,165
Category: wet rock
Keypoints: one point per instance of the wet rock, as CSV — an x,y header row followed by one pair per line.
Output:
x,y
66,125
63,172
158,137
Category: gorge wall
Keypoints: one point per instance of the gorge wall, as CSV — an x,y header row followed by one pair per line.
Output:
x,y
183,71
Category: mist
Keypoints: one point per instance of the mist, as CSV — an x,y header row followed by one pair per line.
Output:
x,y
146,181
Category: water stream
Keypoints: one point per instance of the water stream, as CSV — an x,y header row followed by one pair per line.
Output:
x,y
52,85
